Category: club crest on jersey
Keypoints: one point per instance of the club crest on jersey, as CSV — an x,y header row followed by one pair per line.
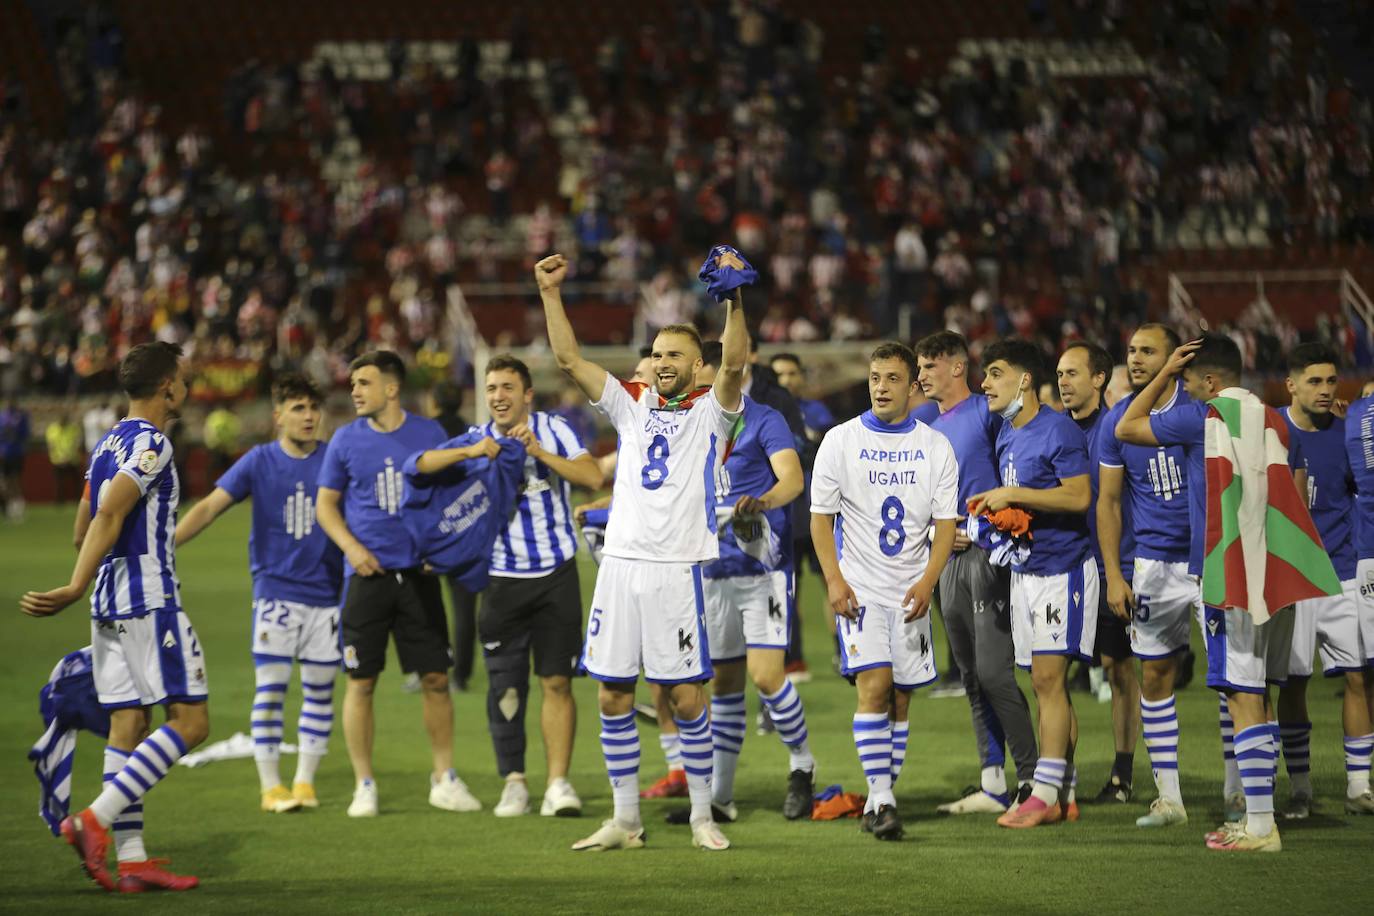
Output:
x,y
147,461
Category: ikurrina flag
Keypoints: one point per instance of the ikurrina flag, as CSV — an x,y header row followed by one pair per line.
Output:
x,y
1263,552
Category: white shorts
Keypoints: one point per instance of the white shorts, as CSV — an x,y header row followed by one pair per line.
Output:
x,y
1055,615
880,638
650,615
1330,625
1166,600
1243,657
290,630
148,660
1364,578
747,612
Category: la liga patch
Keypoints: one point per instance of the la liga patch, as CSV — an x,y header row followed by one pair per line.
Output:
x,y
147,461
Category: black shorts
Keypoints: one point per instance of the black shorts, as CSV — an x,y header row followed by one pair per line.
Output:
x,y
1113,640
543,613
405,602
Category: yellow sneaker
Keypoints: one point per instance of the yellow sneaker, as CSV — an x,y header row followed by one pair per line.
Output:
x,y
277,800
304,793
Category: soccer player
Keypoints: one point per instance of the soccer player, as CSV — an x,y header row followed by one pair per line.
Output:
x,y
975,594
534,601
880,482
297,577
144,650
1043,461
1147,489
1081,378
1240,655
1359,448
386,591
647,606
748,594
1330,625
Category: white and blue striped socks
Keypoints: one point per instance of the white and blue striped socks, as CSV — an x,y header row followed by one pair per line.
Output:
x,y
785,709
695,735
1255,758
1160,721
128,826
1358,752
873,739
317,718
727,737
900,731
672,749
143,769
620,747
1296,738
1049,778
265,723
1228,748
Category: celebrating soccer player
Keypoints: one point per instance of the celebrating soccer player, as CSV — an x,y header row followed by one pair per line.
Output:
x,y
975,594
387,592
144,650
647,606
1043,460
888,478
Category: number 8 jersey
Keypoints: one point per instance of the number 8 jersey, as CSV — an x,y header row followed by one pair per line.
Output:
x,y
886,483
663,505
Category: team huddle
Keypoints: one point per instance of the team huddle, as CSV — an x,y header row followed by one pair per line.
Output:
x,y
1044,537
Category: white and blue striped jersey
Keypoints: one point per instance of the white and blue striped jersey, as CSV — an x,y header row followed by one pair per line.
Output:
x,y
138,575
539,536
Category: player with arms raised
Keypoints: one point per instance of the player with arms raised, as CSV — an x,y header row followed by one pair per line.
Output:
x,y
882,479
647,609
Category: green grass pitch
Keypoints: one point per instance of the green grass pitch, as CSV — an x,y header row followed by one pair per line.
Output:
x,y
416,859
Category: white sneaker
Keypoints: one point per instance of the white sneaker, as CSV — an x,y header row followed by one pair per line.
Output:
x,y
561,801
975,802
1164,812
515,799
364,802
451,794
706,835
611,835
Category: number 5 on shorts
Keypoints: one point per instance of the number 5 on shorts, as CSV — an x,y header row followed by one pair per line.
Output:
x,y
594,624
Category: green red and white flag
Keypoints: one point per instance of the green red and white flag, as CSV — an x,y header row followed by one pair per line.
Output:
x,y
1263,552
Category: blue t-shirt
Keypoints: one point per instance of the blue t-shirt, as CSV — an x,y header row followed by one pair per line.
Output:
x,y
816,415
1155,493
748,472
1047,450
290,556
1330,489
1185,425
1093,428
1359,450
366,466
972,430
926,413
454,516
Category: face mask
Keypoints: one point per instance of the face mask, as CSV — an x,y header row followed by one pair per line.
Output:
x,y
1014,406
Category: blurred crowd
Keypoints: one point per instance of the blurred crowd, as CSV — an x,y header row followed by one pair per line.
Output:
x,y
986,197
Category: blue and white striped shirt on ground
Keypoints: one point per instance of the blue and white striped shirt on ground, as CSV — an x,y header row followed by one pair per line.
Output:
x,y
539,537
138,575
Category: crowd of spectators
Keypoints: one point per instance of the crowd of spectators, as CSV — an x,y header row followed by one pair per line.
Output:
x,y
987,197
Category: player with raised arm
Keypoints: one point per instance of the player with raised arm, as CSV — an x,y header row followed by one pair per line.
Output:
x,y
1043,460
975,594
297,578
387,591
1329,626
647,608
1149,488
144,651
880,482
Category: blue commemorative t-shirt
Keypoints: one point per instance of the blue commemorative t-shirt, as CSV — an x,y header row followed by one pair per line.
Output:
x,y
1185,425
1330,489
1047,450
1359,450
289,555
972,430
1155,494
747,471
1093,427
367,467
